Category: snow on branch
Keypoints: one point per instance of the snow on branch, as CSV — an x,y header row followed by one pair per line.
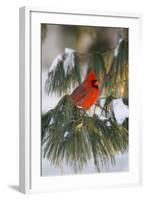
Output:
x,y
117,111
120,110
68,61
116,50
76,137
55,63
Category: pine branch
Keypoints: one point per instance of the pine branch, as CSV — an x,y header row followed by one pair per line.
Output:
x,y
118,72
69,135
59,81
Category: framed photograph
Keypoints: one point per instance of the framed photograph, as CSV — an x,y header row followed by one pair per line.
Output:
x,y
79,109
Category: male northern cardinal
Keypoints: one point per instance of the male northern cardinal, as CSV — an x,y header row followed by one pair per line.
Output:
x,y
87,92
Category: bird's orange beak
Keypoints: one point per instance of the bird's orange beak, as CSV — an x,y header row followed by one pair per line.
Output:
x,y
96,83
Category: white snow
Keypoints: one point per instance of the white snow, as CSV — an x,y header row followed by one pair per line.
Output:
x,y
51,121
103,118
69,51
120,40
120,110
122,165
108,124
69,62
66,134
55,62
116,50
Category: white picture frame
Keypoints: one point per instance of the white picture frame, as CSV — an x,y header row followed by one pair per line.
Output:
x,y
29,144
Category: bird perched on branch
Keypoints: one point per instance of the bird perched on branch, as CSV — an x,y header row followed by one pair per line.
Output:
x,y
86,94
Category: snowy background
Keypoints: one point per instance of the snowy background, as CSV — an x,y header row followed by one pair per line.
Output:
x,y
55,39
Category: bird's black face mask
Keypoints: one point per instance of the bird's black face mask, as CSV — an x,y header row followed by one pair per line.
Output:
x,y
95,84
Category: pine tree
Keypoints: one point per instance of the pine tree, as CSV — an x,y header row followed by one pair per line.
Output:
x,y
73,135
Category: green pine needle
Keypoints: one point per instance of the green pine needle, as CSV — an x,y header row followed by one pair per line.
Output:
x,y
88,137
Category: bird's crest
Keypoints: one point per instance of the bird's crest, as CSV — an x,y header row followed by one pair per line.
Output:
x,y
91,75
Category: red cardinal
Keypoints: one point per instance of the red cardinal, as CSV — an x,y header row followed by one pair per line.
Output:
x,y
87,92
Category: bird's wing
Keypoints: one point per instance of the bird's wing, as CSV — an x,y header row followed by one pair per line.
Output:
x,y
88,98
79,93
